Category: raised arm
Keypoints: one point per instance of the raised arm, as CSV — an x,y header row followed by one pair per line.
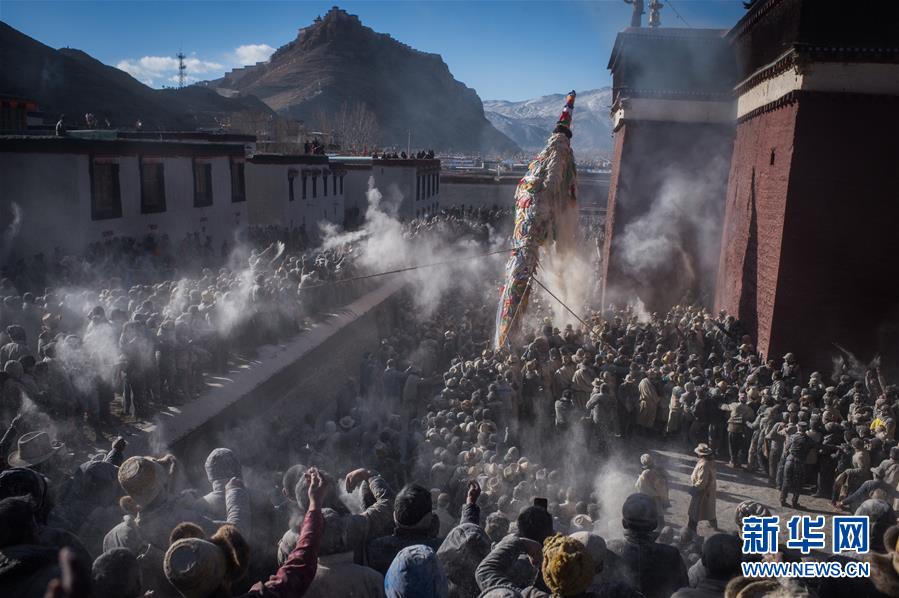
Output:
x,y
296,574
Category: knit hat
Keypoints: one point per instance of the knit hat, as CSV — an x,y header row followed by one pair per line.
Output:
x,y
222,464
646,460
195,567
567,566
143,479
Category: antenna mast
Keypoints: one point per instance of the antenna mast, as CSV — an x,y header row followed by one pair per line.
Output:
x,y
182,70
655,19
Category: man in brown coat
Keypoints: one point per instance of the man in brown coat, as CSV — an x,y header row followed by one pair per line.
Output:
x,y
703,491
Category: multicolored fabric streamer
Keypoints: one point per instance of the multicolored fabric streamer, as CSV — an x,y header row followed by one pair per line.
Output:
x,y
545,201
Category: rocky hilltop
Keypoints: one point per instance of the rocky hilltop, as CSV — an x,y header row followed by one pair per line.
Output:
x,y
338,61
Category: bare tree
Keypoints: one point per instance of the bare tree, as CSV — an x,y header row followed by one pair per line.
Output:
x,y
323,123
356,128
353,128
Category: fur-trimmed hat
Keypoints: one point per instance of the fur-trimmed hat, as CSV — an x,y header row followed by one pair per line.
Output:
x,y
196,567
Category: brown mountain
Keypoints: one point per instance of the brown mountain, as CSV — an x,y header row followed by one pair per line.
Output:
x,y
338,61
68,81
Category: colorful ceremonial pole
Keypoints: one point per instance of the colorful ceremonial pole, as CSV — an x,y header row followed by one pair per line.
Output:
x,y
543,199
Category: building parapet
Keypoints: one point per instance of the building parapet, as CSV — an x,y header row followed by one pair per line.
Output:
x,y
118,146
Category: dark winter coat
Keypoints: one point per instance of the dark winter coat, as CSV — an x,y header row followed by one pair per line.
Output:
x,y
656,570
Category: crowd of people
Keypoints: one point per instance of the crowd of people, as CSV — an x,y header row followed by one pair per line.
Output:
x,y
73,355
419,155
446,468
148,260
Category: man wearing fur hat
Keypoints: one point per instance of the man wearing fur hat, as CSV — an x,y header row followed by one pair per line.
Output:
x,y
154,510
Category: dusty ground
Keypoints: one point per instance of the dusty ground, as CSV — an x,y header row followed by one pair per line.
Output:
x,y
734,486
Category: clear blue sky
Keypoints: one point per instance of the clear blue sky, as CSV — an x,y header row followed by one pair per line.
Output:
x,y
511,50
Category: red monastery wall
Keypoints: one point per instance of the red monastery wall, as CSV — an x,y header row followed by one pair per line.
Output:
x,y
810,241
753,221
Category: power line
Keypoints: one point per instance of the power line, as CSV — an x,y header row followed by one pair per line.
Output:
x,y
677,14
562,303
406,269
444,263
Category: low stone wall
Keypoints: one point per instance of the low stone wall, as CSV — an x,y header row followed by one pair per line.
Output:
x,y
271,397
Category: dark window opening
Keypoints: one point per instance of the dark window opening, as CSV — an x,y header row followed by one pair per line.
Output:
x,y
106,195
152,187
202,185
341,184
771,161
290,196
304,187
238,182
324,185
314,187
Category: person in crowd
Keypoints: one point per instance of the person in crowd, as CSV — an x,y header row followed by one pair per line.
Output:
x,y
721,556
653,482
703,490
205,568
492,443
654,569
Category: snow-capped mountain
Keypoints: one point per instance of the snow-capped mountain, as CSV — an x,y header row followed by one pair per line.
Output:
x,y
530,122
